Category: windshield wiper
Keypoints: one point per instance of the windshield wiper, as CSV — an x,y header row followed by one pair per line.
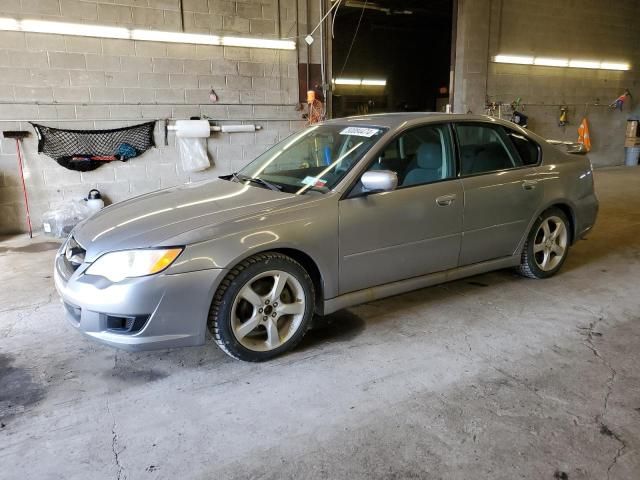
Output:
x,y
259,181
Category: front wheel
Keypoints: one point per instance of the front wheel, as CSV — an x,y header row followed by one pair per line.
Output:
x,y
547,245
262,308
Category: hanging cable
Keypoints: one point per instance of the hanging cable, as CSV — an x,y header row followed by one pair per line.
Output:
x,y
310,34
324,17
333,22
353,40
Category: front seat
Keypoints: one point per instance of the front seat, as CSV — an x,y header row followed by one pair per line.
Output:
x,y
428,166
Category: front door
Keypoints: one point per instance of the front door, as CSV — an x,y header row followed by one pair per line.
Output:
x,y
410,231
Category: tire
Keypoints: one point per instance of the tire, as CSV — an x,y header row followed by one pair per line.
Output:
x,y
547,245
262,308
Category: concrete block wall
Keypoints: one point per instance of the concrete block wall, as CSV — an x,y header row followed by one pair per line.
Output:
x,y
92,83
586,30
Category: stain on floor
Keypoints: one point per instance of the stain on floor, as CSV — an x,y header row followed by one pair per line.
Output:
x,y
18,390
35,247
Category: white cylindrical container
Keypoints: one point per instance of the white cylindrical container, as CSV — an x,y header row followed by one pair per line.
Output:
x,y
94,201
95,205
192,128
237,128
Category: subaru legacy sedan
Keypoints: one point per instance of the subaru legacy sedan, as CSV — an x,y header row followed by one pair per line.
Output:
x,y
341,213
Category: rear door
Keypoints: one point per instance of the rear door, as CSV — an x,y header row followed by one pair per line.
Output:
x,y
410,231
502,189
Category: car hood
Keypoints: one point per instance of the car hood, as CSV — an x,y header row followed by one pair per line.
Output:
x,y
156,218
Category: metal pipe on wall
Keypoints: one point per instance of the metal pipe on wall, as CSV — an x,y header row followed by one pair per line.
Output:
x,y
308,46
323,78
49,104
328,99
454,42
76,120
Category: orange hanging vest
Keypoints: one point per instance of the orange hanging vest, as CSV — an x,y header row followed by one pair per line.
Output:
x,y
583,134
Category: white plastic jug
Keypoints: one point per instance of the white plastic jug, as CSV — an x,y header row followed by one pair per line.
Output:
x,y
94,201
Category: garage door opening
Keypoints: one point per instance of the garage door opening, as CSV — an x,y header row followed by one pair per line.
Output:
x,y
391,55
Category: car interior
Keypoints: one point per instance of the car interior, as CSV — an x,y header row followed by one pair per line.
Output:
x,y
419,156
483,149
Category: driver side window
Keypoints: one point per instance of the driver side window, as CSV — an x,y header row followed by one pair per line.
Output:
x,y
419,156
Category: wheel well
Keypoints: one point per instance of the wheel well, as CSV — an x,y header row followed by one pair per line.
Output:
x,y
312,269
568,211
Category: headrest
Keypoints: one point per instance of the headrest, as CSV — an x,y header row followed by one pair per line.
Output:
x,y
429,156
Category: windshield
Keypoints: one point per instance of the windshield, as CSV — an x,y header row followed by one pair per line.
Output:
x,y
316,158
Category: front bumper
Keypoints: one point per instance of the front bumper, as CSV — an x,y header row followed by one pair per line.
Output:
x,y
170,309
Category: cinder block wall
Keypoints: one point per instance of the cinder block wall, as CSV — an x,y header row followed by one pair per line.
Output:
x,y
588,29
87,83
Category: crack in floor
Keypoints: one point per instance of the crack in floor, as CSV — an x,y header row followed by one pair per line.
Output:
x,y
590,334
120,473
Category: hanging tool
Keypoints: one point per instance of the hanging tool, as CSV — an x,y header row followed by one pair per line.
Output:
x,y
517,116
18,136
564,116
618,104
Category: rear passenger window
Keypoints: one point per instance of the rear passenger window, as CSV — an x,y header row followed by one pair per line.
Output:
x,y
484,148
527,149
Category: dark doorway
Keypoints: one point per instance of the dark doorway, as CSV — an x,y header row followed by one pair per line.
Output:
x,y
405,43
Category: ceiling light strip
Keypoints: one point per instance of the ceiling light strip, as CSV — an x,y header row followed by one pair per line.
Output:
x,y
561,62
365,82
103,31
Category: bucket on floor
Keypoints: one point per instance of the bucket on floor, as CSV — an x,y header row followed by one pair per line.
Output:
x,y
631,156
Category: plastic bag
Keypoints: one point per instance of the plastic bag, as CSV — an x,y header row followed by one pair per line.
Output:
x,y
193,154
59,221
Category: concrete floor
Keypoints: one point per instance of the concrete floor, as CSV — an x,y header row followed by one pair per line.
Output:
x,y
491,377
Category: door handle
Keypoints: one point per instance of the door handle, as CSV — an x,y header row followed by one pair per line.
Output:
x,y
445,200
529,184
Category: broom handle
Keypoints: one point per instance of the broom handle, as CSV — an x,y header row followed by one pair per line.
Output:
x,y
24,187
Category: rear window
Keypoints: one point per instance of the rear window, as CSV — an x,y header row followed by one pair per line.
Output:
x,y
528,150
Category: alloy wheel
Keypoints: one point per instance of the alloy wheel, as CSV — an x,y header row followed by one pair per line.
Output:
x,y
268,310
550,244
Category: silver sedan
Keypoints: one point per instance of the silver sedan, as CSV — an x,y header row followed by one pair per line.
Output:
x,y
341,213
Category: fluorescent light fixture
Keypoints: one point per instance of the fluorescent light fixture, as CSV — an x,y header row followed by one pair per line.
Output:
x,y
514,59
347,81
584,64
561,62
380,83
551,62
258,43
103,31
174,37
9,24
614,66
365,82
76,29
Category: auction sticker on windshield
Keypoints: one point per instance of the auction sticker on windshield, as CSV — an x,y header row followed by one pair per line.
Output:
x,y
314,181
360,131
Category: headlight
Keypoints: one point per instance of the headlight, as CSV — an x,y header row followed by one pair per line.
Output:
x,y
116,266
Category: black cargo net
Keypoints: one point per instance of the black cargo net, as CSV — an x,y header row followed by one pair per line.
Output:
x,y
85,150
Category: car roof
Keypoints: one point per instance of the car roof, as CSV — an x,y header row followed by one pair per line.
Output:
x,y
391,120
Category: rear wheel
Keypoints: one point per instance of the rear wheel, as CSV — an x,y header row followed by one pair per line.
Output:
x,y
547,245
262,308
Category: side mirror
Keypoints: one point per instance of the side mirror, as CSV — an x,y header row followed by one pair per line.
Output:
x,y
379,181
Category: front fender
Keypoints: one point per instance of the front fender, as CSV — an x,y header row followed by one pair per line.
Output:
x,y
311,229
